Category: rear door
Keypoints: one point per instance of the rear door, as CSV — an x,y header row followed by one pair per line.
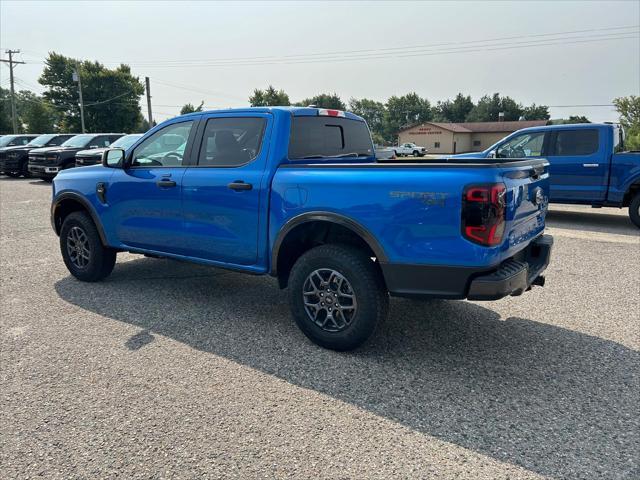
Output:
x,y
579,165
145,199
223,193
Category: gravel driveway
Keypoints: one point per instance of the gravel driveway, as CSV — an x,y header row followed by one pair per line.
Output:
x,y
170,370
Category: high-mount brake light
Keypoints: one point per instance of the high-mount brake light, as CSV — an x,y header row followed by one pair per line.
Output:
x,y
327,112
484,213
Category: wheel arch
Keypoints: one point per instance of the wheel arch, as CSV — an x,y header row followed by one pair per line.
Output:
x,y
632,190
70,202
310,229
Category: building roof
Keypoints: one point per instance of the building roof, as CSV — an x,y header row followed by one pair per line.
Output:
x,y
483,127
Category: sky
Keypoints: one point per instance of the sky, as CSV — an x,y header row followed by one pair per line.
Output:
x,y
545,52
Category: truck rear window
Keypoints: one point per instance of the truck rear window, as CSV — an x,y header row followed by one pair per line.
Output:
x,y
328,137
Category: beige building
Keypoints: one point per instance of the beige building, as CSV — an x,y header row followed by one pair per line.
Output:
x,y
461,137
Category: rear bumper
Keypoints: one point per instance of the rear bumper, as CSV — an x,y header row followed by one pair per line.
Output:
x,y
512,277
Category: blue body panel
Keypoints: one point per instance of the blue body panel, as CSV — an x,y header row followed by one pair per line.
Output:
x,y
600,178
203,221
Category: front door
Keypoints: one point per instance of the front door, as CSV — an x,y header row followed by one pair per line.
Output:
x,y
145,199
223,193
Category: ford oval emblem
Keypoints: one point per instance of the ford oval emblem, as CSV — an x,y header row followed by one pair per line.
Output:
x,y
538,198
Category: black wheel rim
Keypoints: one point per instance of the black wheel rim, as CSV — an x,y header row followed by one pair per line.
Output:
x,y
329,300
78,247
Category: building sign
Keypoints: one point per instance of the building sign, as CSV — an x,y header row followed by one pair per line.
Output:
x,y
425,131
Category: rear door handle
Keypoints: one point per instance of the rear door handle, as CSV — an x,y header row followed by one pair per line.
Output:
x,y
240,185
590,165
166,183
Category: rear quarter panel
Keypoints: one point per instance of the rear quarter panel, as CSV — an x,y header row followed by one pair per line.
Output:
x,y
414,212
625,171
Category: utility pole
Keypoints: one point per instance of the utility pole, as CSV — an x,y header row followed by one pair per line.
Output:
x,y
79,80
11,62
146,80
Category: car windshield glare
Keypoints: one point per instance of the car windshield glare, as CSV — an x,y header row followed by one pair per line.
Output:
x,y
4,141
78,141
126,141
40,141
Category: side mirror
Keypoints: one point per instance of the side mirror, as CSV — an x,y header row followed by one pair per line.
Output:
x,y
113,158
492,154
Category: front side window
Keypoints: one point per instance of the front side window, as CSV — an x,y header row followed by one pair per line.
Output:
x,y
231,142
165,148
522,146
329,137
576,142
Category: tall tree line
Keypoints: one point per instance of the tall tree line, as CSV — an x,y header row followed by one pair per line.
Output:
x,y
385,119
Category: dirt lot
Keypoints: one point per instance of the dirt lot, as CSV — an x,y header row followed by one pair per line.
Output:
x,y
169,370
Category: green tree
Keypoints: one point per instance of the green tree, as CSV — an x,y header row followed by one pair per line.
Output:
x,y
324,100
570,120
189,108
5,111
270,97
536,112
35,114
409,109
111,96
373,112
455,110
629,110
488,108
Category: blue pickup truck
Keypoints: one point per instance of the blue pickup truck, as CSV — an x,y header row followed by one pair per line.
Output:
x,y
588,163
297,193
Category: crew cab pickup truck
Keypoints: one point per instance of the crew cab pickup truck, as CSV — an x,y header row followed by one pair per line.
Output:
x,y
9,141
409,149
588,164
45,163
296,193
15,162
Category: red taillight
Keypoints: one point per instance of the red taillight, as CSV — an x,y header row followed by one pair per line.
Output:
x,y
484,213
328,112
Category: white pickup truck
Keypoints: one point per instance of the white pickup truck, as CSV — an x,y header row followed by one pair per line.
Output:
x,y
409,149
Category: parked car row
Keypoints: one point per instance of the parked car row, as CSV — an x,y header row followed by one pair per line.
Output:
x,y
44,156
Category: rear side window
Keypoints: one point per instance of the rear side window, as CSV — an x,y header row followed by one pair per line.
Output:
x,y
318,137
231,142
576,142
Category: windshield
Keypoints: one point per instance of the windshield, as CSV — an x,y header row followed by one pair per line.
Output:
x,y
125,142
40,141
78,141
4,141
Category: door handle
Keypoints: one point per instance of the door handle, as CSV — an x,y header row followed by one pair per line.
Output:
x,y
590,165
166,183
240,185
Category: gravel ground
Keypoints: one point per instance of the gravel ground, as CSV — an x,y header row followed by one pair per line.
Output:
x,y
174,370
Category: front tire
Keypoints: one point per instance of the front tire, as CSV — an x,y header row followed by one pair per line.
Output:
x,y
337,296
634,210
82,250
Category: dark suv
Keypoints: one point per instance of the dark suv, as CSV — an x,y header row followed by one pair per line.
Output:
x,y
8,141
94,156
45,163
15,162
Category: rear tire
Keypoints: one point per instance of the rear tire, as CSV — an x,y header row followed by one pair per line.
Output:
x,y
337,296
634,210
82,250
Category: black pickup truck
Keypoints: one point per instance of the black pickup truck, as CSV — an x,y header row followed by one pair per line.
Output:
x,y
45,163
15,162
9,141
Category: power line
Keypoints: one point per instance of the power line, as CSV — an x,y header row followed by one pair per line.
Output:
x,y
472,43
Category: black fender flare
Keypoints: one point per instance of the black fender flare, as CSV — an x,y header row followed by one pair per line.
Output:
x,y
329,217
87,206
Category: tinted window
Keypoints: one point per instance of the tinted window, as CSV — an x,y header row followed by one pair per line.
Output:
x,y
317,137
230,142
100,142
576,142
521,146
59,140
165,148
